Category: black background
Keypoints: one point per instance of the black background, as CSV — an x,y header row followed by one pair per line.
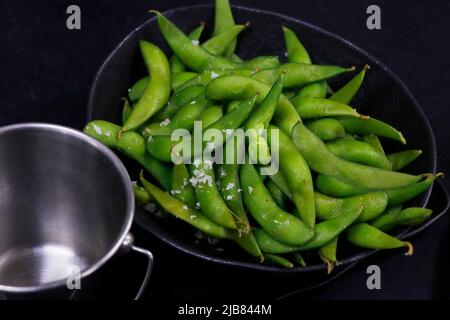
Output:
x,y
46,71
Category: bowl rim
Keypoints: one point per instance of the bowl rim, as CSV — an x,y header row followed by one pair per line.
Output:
x,y
124,176
249,265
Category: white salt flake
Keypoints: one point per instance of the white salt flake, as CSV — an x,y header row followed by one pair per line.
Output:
x,y
229,197
165,123
97,129
250,189
150,139
229,186
195,42
185,208
193,216
214,75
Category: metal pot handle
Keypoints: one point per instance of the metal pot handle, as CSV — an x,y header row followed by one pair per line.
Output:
x,y
128,246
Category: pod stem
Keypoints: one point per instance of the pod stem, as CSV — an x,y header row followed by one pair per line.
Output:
x,y
410,248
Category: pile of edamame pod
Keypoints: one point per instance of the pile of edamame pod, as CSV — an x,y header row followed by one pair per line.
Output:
x,y
335,183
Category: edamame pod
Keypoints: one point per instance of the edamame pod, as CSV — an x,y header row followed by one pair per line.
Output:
x,y
326,128
335,187
280,181
313,90
183,119
406,217
220,42
374,142
279,260
238,88
295,50
299,74
399,160
137,89
211,202
277,195
181,187
223,19
141,195
373,203
311,108
321,160
370,126
347,92
176,66
183,212
366,236
126,110
179,79
210,115
191,54
156,92
297,175
324,232
401,195
328,254
359,152
132,145
278,223
177,101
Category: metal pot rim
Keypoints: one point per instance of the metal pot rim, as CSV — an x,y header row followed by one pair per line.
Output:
x,y
121,237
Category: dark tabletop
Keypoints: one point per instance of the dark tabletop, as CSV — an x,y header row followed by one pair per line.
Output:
x,y
46,71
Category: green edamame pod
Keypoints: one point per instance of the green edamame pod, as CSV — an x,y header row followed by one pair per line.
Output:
x,y
261,63
335,187
370,126
231,192
328,254
161,147
141,195
177,101
366,236
374,142
211,202
181,78
313,90
298,258
183,119
347,92
261,118
280,181
401,195
359,152
295,50
132,145
183,212
297,175
324,232
223,19
279,260
399,160
278,196
157,91
218,44
321,160
137,89
191,54
299,74
210,115
126,110
373,203
176,66
326,128
278,223
238,88
311,108
181,187
406,217
207,76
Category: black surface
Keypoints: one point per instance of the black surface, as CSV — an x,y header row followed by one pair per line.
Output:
x,y
46,74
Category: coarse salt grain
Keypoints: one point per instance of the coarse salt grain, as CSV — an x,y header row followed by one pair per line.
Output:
x,y
164,123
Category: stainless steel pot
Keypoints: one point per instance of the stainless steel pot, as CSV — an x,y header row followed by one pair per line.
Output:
x,y
66,204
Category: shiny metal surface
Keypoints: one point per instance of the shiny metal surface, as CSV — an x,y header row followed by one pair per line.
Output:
x,y
65,202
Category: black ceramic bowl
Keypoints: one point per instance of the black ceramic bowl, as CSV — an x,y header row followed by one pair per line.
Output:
x,y
382,96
